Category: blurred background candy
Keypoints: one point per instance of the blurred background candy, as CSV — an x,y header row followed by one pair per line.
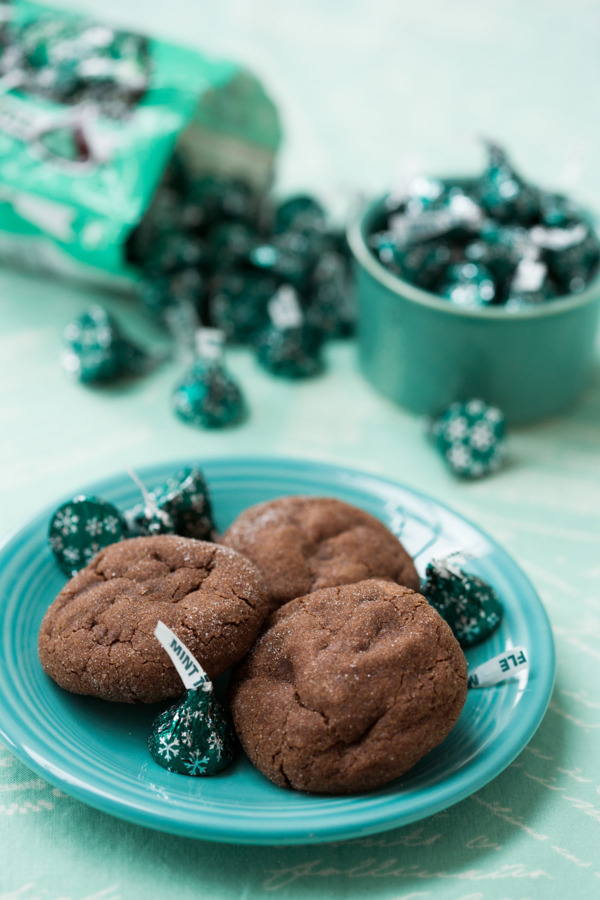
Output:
x,y
96,350
229,249
496,240
208,396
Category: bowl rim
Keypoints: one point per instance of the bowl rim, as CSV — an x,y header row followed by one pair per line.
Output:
x,y
367,259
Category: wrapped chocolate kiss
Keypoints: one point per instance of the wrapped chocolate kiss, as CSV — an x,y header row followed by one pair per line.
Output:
x,y
82,527
207,396
469,605
179,506
98,352
289,347
194,736
470,438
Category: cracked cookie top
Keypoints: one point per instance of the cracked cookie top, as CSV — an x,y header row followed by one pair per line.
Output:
x,y
303,544
97,637
348,688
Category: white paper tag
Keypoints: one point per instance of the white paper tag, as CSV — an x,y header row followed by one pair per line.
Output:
x,y
209,343
190,671
499,668
529,275
558,238
284,308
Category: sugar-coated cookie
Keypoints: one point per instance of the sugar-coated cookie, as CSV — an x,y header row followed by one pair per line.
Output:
x,y
97,637
303,544
348,688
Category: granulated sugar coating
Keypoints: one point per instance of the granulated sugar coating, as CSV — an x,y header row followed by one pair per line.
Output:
x,y
348,688
303,544
98,635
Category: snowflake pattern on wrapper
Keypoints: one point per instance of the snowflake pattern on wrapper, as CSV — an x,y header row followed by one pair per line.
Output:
x,y
199,729
215,742
168,747
82,527
196,764
469,605
65,521
470,438
208,397
180,506
97,352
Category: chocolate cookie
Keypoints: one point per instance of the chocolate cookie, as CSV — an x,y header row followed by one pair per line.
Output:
x,y
303,544
348,688
97,637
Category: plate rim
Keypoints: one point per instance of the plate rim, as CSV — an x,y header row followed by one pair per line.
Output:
x,y
447,793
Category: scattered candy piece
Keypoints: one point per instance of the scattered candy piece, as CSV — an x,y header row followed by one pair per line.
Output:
x,y
222,198
230,243
208,397
194,736
287,267
210,250
174,251
289,347
82,527
214,227
470,437
159,295
467,603
299,213
238,306
329,306
97,352
180,506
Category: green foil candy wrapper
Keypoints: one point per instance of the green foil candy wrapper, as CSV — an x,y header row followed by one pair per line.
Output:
x,y
504,194
208,396
180,506
289,347
288,267
299,213
82,527
329,308
239,304
468,604
230,243
160,295
470,438
290,352
97,352
214,228
194,736
469,284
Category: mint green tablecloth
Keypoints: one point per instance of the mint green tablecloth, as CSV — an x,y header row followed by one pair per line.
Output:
x,y
361,85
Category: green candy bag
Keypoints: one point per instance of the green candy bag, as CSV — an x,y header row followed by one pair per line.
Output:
x,y
89,118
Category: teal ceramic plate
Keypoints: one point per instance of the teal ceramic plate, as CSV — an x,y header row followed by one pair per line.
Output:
x,y
96,751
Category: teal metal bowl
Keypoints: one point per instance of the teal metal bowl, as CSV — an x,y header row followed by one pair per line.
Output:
x,y
424,352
